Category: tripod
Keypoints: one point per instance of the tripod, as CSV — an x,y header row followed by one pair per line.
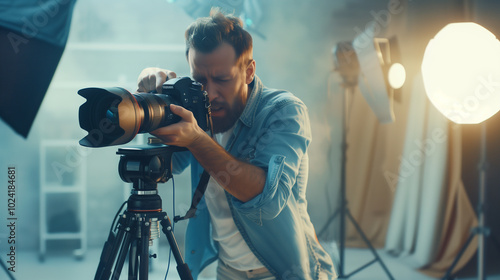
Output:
x,y
347,64
139,224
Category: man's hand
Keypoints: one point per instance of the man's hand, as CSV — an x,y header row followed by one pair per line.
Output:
x,y
183,133
152,78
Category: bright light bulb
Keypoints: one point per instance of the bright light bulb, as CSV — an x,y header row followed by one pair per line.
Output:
x,y
397,75
461,72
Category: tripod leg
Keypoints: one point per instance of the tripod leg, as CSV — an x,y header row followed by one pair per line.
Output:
x,y
377,257
182,267
144,251
455,261
133,261
121,257
109,252
330,220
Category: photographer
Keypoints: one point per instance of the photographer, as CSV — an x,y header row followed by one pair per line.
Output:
x,y
253,218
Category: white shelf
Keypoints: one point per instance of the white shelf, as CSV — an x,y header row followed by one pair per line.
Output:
x,y
63,172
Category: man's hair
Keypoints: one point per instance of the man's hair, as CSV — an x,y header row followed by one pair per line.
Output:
x,y
207,33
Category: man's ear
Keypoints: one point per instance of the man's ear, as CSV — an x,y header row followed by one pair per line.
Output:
x,y
250,71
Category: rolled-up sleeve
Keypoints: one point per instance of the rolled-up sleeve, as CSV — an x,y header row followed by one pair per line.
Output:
x,y
279,148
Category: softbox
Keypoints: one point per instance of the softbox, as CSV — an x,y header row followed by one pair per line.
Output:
x,y
33,35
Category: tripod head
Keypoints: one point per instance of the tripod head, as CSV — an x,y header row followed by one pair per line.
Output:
x,y
145,167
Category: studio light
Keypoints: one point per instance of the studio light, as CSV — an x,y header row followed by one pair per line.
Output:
x,y
461,74
396,75
370,64
381,74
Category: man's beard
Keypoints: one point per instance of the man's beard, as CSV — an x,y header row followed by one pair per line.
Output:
x,y
223,124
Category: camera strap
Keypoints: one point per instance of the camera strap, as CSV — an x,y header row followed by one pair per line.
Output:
x,y
198,194
200,190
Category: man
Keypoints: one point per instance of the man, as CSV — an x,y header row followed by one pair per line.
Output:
x,y
253,218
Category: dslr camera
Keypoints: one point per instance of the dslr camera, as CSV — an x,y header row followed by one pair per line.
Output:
x,y
114,116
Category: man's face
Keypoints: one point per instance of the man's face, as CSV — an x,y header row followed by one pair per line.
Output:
x,y
226,81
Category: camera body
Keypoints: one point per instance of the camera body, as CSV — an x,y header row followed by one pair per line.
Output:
x,y
114,116
190,95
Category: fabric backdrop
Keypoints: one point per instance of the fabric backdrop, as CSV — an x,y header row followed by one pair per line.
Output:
x,y
404,186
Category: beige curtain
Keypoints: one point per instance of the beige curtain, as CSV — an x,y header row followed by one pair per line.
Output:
x,y
404,184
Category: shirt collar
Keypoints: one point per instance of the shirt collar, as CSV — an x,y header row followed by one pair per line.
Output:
x,y
248,115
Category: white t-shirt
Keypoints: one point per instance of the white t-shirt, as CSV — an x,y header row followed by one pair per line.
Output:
x,y
233,249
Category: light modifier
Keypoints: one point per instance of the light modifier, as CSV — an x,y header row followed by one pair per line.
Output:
x,y
461,72
376,58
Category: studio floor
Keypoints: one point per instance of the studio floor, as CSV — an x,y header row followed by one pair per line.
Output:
x,y
61,266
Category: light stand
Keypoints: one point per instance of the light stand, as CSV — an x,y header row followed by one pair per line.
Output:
x,y
449,88
482,231
348,67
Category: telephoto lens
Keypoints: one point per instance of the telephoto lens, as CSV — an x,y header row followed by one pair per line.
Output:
x,y
114,116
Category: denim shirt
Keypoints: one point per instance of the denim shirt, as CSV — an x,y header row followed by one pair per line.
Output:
x,y
273,133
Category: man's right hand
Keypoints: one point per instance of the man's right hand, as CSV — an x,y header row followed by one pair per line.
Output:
x,y
152,78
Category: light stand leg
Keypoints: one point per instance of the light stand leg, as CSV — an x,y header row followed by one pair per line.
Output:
x,y
460,253
328,222
372,249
